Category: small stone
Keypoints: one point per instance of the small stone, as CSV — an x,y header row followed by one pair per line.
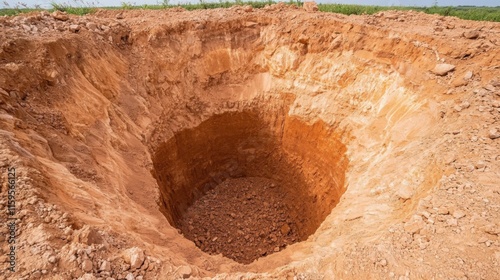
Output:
x,y
277,249
459,82
480,164
105,266
405,192
458,214
489,87
68,231
87,276
135,257
465,105
52,259
494,133
37,274
468,75
74,28
414,225
457,108
473,34
452,222
443,211
32,200
87,265
491,229
129,276
392,16
185,271
470,167
60,15
443,68
383,262
285,229
91,26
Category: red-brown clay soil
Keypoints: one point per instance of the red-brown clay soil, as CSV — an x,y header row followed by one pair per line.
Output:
x,y
380,132
243,219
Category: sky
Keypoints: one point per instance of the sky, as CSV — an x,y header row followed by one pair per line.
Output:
x,y
426,3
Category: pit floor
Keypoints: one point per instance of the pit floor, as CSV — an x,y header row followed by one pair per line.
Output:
x,y
242,218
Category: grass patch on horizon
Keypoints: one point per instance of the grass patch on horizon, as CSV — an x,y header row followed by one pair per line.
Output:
x,y
463,12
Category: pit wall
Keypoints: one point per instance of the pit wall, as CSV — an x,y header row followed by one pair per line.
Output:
x,y
116,106
307,161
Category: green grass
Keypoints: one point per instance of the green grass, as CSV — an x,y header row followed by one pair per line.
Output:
x,y
463,12
16,11
75,10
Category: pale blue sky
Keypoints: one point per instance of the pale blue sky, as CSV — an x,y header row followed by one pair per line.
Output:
x,y
427,3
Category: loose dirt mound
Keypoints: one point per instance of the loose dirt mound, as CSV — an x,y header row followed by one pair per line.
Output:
x,y
244,219
380,132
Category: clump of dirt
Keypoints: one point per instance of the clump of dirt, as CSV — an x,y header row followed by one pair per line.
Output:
x,y
242,218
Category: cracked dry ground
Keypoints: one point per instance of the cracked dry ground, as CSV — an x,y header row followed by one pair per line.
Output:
x,y
381,134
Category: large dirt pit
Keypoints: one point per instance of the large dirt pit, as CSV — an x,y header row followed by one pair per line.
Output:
x,y
249,144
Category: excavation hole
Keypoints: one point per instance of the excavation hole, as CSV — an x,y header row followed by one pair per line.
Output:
x,y
248,184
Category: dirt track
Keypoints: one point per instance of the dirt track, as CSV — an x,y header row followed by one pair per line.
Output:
x,y
382,131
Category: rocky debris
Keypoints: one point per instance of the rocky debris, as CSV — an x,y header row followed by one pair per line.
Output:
x,y
468,75
405,192
310,6
472,34
234,220
134,257
415,224
461,106
87,276
443,69
60,16
184,271
105,266
459,82
493,133
92,26
87,265
391,15
74,28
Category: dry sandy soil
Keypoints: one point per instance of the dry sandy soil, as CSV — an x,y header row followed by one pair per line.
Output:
x,y
374,141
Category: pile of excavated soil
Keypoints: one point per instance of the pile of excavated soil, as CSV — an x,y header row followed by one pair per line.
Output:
x,y
382,131
243,218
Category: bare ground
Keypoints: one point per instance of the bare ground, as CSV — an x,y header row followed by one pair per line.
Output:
x,y
392,156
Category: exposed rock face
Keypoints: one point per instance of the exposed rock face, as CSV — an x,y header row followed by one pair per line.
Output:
x,y
114,131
